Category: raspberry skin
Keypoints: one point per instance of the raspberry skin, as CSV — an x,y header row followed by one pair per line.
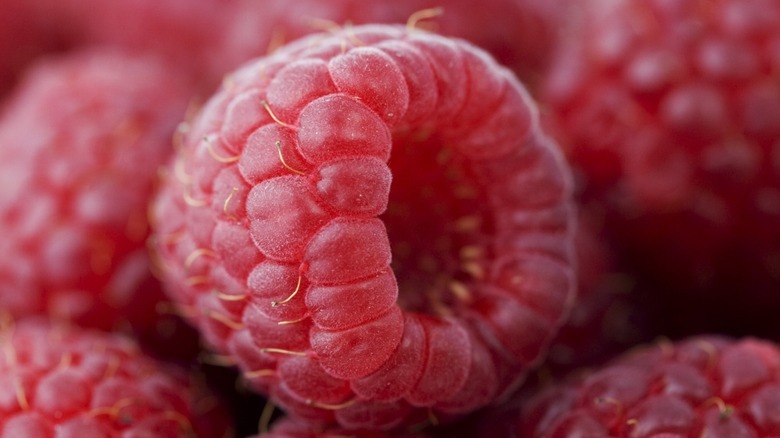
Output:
x,y
699,386
670,113
69,381
373,225
80,142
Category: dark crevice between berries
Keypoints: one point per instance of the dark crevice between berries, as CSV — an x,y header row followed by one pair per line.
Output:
x,y
439,225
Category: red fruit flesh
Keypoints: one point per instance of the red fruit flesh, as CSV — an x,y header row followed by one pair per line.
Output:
x,y
410,226
80,143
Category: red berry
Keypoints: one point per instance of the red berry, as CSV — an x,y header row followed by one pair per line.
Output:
x,y
64,381
80,142
670,111
378,213
701,386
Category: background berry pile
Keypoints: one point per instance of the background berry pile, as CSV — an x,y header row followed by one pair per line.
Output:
x,y
413,218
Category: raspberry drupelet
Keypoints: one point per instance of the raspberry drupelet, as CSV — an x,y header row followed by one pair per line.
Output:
x,y
80,143
373,226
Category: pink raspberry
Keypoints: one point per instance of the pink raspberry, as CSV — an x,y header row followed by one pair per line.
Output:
x,y
80,143
701,386
373,225
67,381
670,112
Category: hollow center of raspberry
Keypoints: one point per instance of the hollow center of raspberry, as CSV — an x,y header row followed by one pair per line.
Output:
x,y
439,225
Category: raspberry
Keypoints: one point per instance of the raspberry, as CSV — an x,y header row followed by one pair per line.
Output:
x,y
71,381
670,112
80,142
373,225
700,386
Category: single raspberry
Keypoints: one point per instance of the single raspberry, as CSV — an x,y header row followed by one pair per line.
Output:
x,y
80,143
700,386
68,381
347,298
670,111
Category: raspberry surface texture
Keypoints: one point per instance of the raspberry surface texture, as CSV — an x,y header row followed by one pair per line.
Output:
x,y
701,386
670,113
67,382
372,224
80,143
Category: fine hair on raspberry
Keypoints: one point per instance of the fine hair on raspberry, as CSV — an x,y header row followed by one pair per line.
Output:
x,y
372,225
